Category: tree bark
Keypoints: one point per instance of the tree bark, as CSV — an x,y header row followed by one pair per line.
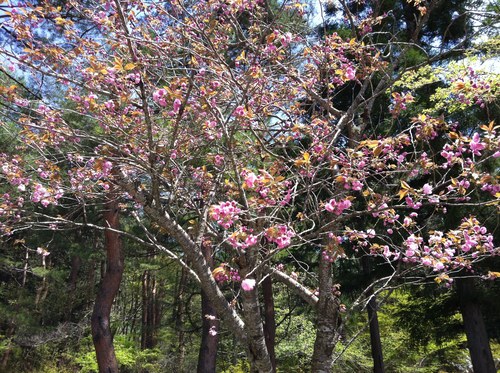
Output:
x,y
76,265
257,349
375,342
149,314
269,321
475,330
100,320
207,357
328,320
179,317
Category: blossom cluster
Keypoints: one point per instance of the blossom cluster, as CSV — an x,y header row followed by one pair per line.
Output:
x,y
337,207
242,239
442,251
281,235
225,213
224,273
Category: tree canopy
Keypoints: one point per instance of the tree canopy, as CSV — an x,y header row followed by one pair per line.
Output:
x,y
247,148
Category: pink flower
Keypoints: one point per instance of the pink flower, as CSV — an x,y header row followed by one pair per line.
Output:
x,y
426,261
356,185
248,284
427,189
250,179
177,105
110,105
476,145
239,111
438,266
225,213
250,240
350,73
337,207
281,235
159,97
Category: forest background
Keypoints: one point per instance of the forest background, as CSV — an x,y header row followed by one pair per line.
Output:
x,y
249,186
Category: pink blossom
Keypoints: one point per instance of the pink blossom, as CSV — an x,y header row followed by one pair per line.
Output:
x,y
106,167
110,105
242,240
286,39
250,179
281,235
356,185
476,145
409,253
225,213
438,265
239,111
427,189
248,284
159,97
426,261
387,252
350,73
177,105
287,198
337,207
218,160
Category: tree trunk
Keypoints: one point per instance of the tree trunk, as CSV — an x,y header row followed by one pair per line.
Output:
x,y
475,330
179,317
257,349
26,264
76,265
91,280
269,321
375,342
210,325
328,320
148,310
100,320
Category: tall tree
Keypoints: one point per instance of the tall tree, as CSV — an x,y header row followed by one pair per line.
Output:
x,y
100,320
246,138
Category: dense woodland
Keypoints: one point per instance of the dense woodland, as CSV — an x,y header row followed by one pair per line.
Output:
x,y
249,186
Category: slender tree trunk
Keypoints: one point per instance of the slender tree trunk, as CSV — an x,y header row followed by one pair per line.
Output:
x,y
157,309
132,312
269,321
76,265
26,263
91,280
328,321
179,317
147,305
475,330
150,310
101,331
375,342
210,325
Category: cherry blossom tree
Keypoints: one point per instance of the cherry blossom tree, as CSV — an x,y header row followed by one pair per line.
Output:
x,y
217,122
